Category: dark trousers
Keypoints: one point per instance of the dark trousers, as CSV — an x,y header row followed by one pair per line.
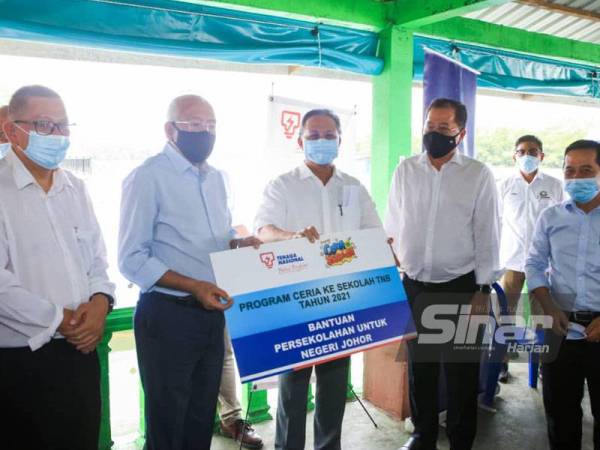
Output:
x,y
180,356
461,369
50,398
563,384
330,403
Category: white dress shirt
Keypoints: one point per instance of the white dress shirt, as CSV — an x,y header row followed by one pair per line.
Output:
x,y
298,199
520,206
444,223
52,255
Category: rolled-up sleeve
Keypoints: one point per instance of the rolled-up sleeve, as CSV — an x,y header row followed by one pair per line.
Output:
x,y
139,210
272,210
486,230
21,310
538,258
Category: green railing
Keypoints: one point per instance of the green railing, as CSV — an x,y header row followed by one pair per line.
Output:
x,y
122,320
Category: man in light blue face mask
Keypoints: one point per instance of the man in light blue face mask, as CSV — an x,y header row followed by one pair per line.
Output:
x,y
314,198
523,196
563,272
54,290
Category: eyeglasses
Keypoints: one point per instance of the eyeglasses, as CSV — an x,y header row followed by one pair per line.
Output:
x,y
530,152
446,131
47,127
313,136
195,125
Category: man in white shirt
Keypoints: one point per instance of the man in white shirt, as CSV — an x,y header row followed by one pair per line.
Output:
x,y
523,196
443,217
54,290
314,198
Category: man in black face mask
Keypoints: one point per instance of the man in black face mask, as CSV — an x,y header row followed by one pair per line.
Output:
x,y
443,217
173,215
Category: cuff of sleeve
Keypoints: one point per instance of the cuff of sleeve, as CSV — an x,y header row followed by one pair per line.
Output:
x,y
150,273
536,281
485,277
44,337
104,287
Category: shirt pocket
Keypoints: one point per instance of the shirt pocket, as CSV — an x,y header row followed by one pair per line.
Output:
x,y
350,211
85,244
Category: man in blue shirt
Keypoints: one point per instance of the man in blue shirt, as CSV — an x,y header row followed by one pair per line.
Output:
x,y
563,272
174,213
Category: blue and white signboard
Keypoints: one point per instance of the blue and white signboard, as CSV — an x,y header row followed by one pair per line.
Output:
x,y
299,304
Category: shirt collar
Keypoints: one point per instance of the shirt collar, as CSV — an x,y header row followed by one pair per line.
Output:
x,y
305,172
24,178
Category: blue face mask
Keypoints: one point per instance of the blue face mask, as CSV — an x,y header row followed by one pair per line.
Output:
x,y
582,190
47,151
4,149
528,164
321,151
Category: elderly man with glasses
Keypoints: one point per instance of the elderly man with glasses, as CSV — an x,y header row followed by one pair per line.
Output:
x,y
54,289
174,213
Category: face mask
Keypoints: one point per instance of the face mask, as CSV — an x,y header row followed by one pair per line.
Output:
x,y
582,190
47,151
439,145
4,149
528,164
321,151
196,146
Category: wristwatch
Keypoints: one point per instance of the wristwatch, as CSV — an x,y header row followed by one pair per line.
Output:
x,y
109,298
485,288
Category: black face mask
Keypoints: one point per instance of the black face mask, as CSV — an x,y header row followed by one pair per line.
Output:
x,y
196,146
439,145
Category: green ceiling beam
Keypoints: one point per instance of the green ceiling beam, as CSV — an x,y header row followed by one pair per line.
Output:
x,y
498,36
413,14
367,14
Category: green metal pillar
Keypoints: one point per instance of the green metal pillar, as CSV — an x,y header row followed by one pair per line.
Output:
x,y
105,441
392,105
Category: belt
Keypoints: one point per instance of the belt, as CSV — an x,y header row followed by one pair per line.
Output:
x,y
187,301
583,317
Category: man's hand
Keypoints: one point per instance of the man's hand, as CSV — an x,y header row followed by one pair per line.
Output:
x,y
250,241
64,325
593,331
560,321
309,233
210,296
480,304
86,326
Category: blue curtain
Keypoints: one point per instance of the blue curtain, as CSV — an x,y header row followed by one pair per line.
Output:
x,y
190,30
512,71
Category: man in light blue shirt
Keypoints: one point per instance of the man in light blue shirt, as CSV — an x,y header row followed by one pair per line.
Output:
x,y
174,213
563,272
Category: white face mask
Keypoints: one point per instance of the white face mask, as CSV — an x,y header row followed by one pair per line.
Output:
x,y
528,164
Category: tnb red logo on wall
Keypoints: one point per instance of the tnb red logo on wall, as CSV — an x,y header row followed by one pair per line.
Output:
x,y
268,259
290,121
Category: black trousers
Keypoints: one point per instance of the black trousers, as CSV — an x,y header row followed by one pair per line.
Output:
x,y
330,403
50,398
563,385
180,356
461,369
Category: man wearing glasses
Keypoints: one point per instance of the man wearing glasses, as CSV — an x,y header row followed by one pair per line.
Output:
x,y
174,213
523,196
443,217
314,198
54,290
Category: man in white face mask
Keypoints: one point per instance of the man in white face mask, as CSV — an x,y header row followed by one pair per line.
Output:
x,y
523,196
314,198
54,289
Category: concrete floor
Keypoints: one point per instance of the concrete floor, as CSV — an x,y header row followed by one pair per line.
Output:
x,y
519,423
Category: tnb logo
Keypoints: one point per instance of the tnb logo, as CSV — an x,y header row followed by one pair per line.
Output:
x,y
268,259
290,121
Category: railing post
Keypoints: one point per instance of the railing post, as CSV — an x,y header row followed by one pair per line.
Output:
x,y
105,440
258,409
